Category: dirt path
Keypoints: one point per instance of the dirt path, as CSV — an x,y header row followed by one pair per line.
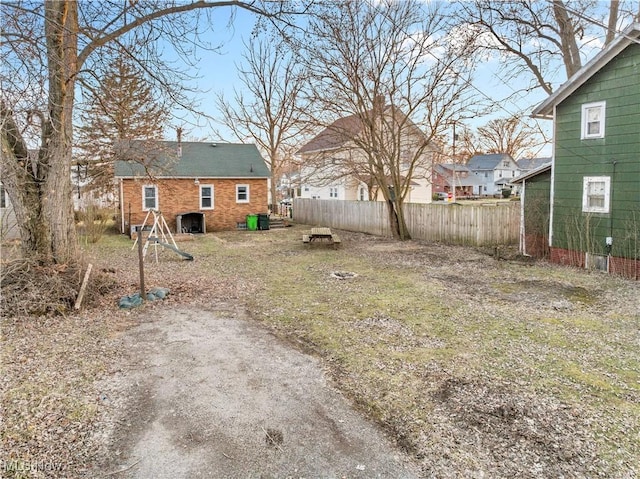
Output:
x,y
215,395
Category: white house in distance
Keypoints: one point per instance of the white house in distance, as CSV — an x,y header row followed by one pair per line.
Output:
x,y
493,172
333,168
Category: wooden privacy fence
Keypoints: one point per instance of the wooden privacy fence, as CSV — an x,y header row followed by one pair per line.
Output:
x,y
473,225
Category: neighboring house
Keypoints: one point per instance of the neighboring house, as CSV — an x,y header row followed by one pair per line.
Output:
x,y
450,176
8,226
334,168
493,172
199,187
595,173
86,195
525,165
535,192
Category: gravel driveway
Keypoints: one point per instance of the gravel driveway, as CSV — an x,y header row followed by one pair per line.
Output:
x,y
211,394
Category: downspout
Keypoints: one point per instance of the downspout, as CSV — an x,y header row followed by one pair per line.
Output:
x,y
121,207
609,241
553,177
523,242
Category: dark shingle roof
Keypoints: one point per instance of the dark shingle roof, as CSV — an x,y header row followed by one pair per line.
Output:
x,y
345,129
530,174
334,136
447,168
526,164
487,162
210,160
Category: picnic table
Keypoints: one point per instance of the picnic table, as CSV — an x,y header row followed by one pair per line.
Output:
x,y
321,235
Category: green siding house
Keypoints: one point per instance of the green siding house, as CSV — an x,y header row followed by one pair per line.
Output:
x,y
535,192
595,174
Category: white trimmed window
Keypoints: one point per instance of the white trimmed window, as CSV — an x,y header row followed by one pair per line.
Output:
x,y
596,194
333,192
593,115
149,197
242,193
206,197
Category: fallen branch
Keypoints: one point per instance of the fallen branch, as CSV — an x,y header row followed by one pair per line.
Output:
x,y
83,288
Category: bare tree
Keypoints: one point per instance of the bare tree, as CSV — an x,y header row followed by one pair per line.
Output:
x,y
47,49
534,37
391,70
507,135
270,113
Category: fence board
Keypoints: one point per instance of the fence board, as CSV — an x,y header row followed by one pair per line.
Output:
x,y
474,225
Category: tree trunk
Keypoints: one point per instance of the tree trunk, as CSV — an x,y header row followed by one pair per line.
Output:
x,y
570,51
397,222
274,199
39,183
614,9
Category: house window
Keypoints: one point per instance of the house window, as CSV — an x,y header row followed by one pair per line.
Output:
x,y
361,194
333,192
3,197
486,175
596,193
593,120
206,197
149,197
242,193
505,163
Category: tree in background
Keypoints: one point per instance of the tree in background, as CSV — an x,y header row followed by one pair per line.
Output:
x,y
122,107
270,112
512,135
507,135
533,37
391,67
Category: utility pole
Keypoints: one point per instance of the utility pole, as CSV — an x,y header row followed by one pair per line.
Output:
x,y
453,179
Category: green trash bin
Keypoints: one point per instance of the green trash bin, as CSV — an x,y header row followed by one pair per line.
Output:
x,y
252,222
263,222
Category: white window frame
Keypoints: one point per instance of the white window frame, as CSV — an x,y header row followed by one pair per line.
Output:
x,y
587,180
602,106
248,198
212,197
155,196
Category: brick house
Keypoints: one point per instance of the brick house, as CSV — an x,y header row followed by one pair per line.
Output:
x,y
199,187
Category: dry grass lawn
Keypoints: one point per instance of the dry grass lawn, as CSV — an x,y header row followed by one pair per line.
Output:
x,y
478,366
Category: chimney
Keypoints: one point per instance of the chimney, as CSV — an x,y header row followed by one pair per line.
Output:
x,y
179,132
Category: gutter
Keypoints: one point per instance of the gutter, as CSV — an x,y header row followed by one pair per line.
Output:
x,y
121,207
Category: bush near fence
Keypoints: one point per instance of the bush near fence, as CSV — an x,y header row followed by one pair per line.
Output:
x,y
472,225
